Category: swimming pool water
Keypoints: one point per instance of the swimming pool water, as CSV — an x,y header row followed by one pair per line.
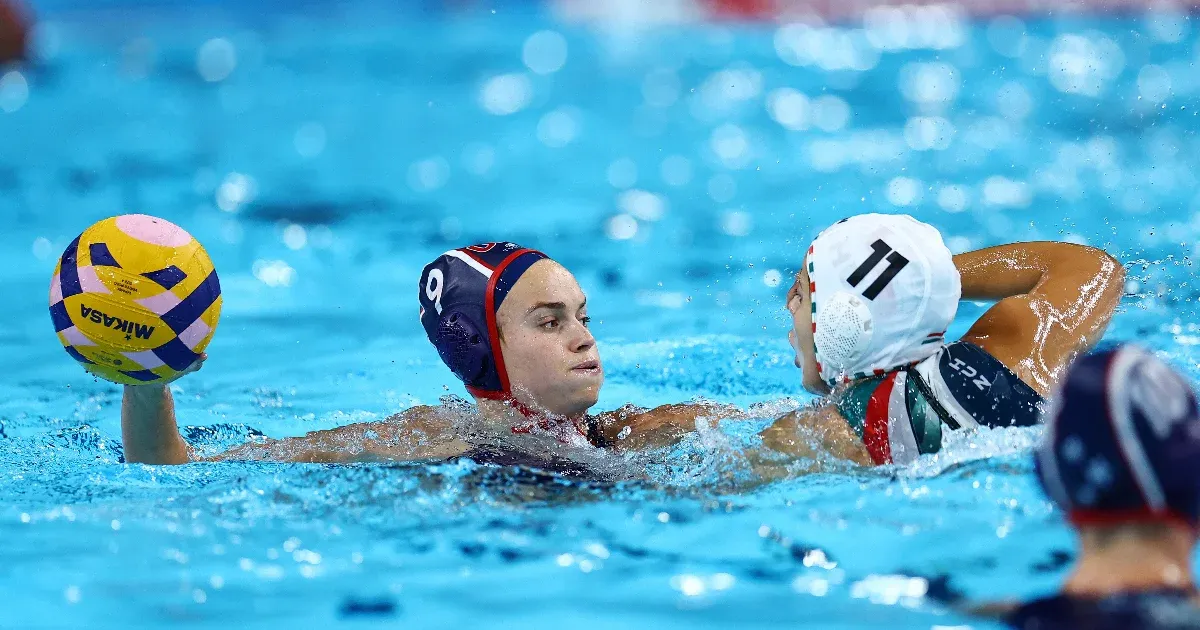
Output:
x,y
323,155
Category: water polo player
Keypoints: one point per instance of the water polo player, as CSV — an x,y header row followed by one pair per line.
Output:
x,y
1121,456
512,325
870,311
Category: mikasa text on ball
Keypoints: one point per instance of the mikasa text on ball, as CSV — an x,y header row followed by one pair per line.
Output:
x,y
135,299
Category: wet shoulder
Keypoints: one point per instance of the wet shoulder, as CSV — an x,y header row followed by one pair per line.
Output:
x,y
1158,610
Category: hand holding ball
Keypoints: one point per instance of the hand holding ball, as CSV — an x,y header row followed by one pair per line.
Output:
x,y
135,299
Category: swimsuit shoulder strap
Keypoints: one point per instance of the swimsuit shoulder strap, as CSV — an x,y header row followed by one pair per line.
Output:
x,y
1167,609
968,387
900,415
891,418
853,401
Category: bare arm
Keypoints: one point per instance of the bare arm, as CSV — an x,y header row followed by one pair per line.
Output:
x,y
419,433
662,426
814,433
151,435
148,427
1054,300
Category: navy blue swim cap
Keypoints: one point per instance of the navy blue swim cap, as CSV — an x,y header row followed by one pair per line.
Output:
x,y
460,293
1122,441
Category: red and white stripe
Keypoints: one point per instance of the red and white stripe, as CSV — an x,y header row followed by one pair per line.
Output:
x,y
887,429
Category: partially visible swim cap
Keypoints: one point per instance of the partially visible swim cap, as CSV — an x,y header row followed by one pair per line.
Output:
x,y
884,289
460,293
1122,441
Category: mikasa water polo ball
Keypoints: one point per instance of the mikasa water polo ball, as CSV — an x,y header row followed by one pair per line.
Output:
x,y
135,299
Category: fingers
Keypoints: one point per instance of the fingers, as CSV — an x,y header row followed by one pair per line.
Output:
x,y
195,366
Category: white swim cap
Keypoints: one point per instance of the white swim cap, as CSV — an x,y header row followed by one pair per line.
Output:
x,y
884,290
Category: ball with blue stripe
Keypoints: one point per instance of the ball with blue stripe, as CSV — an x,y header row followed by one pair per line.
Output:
x,y
135,299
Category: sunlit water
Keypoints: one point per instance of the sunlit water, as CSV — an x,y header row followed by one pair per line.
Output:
x,y
323,157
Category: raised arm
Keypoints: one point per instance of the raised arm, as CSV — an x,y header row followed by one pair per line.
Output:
x,y
1053,301
148,427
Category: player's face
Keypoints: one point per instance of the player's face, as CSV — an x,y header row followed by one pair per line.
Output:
x,y
799,304
550,355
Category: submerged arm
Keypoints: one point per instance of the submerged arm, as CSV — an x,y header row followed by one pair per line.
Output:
x,y
630,428
1054,300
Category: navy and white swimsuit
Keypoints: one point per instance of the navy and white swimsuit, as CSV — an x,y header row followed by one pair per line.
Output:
x,y
903,414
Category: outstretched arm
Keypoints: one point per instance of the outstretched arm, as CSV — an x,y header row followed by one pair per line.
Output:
x,y
418,433
1054,300
151,435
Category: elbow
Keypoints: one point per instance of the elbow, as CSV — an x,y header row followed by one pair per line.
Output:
x,y
1105,275
1111,273
1107,286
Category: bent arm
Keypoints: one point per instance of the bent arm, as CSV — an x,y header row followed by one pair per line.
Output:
x,y
1053,301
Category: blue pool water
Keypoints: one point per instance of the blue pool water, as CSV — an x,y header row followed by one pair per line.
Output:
x,y
323,155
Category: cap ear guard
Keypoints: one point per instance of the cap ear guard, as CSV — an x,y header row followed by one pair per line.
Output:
x,y
888,291
462,347
455,321
844,334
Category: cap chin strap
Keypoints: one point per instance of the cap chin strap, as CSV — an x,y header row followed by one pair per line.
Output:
x,y
506,398
522,408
